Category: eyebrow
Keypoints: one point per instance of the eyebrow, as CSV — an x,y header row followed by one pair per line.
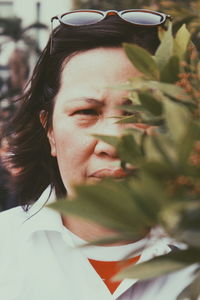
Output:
x,y
88,100
99,103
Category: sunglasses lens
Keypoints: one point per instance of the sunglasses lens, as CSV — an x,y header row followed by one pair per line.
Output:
x,y
143,18
81,18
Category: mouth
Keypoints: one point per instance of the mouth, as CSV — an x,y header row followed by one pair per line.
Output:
x,y
111,173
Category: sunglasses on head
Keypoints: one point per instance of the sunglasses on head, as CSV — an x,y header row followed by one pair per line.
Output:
x,y
138,17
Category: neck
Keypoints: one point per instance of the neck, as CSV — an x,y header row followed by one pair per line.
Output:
x,y
89,231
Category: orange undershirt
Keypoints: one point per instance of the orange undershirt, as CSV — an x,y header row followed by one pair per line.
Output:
x,y
107,269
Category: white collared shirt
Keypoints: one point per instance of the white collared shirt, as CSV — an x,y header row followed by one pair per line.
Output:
x,y
41,260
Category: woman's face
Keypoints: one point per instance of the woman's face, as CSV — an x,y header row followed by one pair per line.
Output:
x,y
86,105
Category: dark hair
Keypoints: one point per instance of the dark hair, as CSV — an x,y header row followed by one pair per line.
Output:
x,y
29,143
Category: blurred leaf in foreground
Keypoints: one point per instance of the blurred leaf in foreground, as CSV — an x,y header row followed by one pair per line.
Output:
x,y
161,265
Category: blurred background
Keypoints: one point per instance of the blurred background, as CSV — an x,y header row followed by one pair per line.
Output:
x,y
24,31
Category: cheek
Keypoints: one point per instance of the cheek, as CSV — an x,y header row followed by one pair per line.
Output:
x,y
74,151
73,148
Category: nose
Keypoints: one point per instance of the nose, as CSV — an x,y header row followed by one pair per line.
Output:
x,y
103,149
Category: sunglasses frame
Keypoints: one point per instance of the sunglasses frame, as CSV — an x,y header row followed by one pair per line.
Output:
x,y
107,14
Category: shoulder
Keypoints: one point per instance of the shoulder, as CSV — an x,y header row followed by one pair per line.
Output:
x,y
13,214
10,222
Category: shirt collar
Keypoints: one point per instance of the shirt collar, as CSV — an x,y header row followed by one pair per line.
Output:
x,y
41,218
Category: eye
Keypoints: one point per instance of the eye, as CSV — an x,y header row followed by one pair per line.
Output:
x,y
89,112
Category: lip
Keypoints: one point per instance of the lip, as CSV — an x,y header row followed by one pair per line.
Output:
x,y
114,173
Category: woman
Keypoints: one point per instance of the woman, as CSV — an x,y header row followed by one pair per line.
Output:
x,y
68,100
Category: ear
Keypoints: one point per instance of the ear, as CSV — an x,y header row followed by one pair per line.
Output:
x,y
50,133
43,118
52,142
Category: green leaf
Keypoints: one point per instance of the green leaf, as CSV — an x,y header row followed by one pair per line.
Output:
x,y
128,149
161,265
181,41
132,108
171,70
186,145
108,203
112,140
142,60
133,96
171,90
181,219
150,103
168,89
130,119
165,49
148,195
177,119
159,169
159,148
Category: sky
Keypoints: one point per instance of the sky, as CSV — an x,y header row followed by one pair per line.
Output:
x,y
26,9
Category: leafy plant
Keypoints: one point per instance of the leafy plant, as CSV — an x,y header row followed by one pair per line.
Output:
x,y
183,12
164,188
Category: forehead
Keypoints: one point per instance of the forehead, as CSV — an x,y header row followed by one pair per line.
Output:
x,y
97,68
